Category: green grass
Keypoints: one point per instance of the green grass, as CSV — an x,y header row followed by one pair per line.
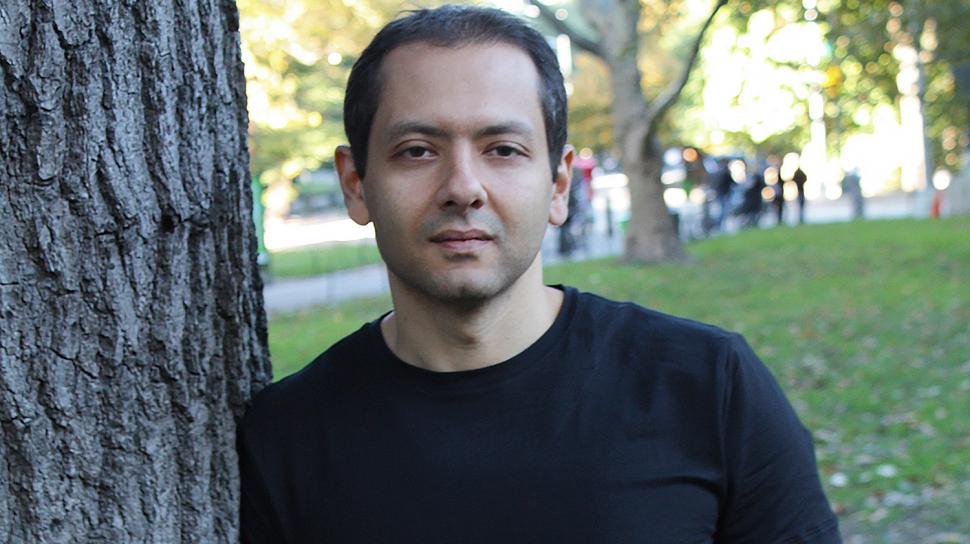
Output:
x,y
297,338
313,261
866,326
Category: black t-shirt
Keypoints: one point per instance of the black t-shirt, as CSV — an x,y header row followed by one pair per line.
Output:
x,y
619,424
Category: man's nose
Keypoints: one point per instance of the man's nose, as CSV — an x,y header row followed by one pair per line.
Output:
x,y
462,186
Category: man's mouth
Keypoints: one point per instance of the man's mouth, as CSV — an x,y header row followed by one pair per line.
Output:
x,y
462,240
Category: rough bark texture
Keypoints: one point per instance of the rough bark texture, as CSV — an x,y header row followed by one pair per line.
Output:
x,y
132,328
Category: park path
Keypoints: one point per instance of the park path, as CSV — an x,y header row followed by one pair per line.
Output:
x,y
290,295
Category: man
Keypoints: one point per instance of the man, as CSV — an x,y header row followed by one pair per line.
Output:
x,y
723,191
852,188
799,178
488,407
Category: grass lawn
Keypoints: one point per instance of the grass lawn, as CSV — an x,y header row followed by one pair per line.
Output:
x,y
313,261
866,325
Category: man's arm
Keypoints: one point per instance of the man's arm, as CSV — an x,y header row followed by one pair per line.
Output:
x,y
257,520
773,493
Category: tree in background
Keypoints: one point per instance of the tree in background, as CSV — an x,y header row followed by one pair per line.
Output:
x,y
909,54
616,31
132,329
751,88
879,71
589,105
296,67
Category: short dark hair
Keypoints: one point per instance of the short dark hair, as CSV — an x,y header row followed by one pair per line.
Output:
x,y
450,26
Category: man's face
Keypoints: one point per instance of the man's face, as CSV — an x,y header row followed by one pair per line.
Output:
x,y
458,182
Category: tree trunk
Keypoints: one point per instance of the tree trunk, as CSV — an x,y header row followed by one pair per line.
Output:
x,y
651,234
132,328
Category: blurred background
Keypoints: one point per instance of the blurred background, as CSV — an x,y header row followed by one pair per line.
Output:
x,y
815,168
879,89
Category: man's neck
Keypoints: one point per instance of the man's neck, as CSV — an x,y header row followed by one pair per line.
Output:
x,y
446,338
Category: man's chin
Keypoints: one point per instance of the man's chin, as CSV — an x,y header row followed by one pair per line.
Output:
x,y
466,292
463,290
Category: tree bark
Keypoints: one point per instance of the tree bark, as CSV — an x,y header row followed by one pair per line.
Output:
x,y
132,328
651,235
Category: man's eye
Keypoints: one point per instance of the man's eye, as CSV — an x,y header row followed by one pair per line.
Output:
x,y
505,151
416,152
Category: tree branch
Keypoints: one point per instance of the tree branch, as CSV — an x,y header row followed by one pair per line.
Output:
x,y
580,41
659,106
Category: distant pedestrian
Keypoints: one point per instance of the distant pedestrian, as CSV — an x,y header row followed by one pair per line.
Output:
x,y
752,203
723,185
852,189
778,201
799,178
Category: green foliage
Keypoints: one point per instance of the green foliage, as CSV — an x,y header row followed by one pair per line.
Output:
x,y
590,119
864,324
314,261
667,30
864,34
750,87
298,55
293,119
860,69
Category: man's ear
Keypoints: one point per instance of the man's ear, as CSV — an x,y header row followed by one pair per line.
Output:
x,y
559,208
351,185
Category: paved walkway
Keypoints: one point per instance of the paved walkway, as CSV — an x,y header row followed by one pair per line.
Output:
x,y
295,294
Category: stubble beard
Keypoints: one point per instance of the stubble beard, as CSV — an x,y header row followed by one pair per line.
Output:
x,y
465,289
460,289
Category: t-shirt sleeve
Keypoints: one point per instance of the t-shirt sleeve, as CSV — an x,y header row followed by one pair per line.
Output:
x,y
257,519
773,490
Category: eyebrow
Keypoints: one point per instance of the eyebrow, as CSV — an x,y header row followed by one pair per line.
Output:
x,y
509,127
415,127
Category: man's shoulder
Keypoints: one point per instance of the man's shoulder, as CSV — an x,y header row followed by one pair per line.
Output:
x,y
336,368
657,344
626,318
